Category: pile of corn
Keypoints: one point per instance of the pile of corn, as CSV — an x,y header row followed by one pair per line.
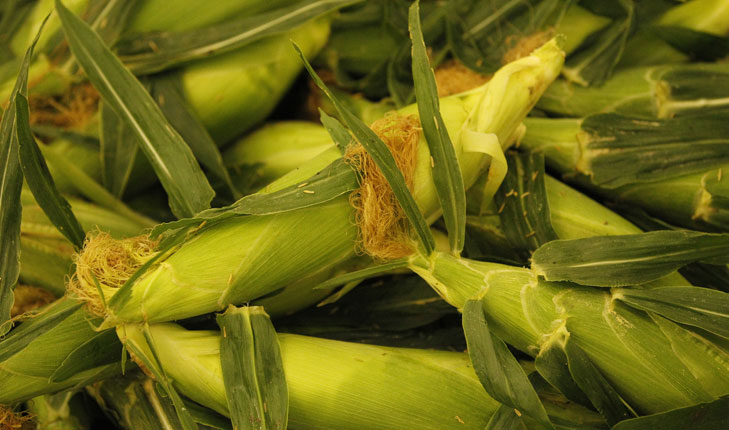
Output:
x,y
339,214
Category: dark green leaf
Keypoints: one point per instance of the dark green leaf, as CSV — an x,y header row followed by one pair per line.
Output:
x,y
31,329
208,418
522,203
336,130
167,91
152,364
699,307
499,372
593,62
698,45
482,33
704,416
152,53
360,275
11,182
505,417
109,17
103,348
384,160
336,179
39,179
446,170
552,365
624,150
610,261
118,150
172,160
253,370
591,382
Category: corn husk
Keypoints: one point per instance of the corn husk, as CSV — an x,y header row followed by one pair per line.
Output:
x,y
653,92
691,194
27,373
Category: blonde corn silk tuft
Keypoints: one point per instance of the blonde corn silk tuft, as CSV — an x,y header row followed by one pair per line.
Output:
x,y
384,232
110,262
73,109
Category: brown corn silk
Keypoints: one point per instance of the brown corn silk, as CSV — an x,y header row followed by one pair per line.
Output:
x,y
522,46
452,77
108,262
72,109
384,231
10,420
29,298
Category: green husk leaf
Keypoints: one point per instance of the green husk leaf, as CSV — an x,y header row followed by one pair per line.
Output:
x,y
253,370
446,170
336,179
155,52
593,62
480,33
623,150
704,416
523,206
360,275
152,364
167,91
382,157
103,348
591,382
499,372
610,261
701,46
336,130
166,246
11,183
207,417
109,17
698,307
30,330
505,418
119,148
552,365
39,179
171,158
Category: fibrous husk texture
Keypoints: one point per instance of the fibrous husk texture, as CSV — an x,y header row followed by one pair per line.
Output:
x,y
110,262
383,227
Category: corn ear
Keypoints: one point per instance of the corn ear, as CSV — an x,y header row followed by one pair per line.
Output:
x,y
624,343
233,92
335,385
